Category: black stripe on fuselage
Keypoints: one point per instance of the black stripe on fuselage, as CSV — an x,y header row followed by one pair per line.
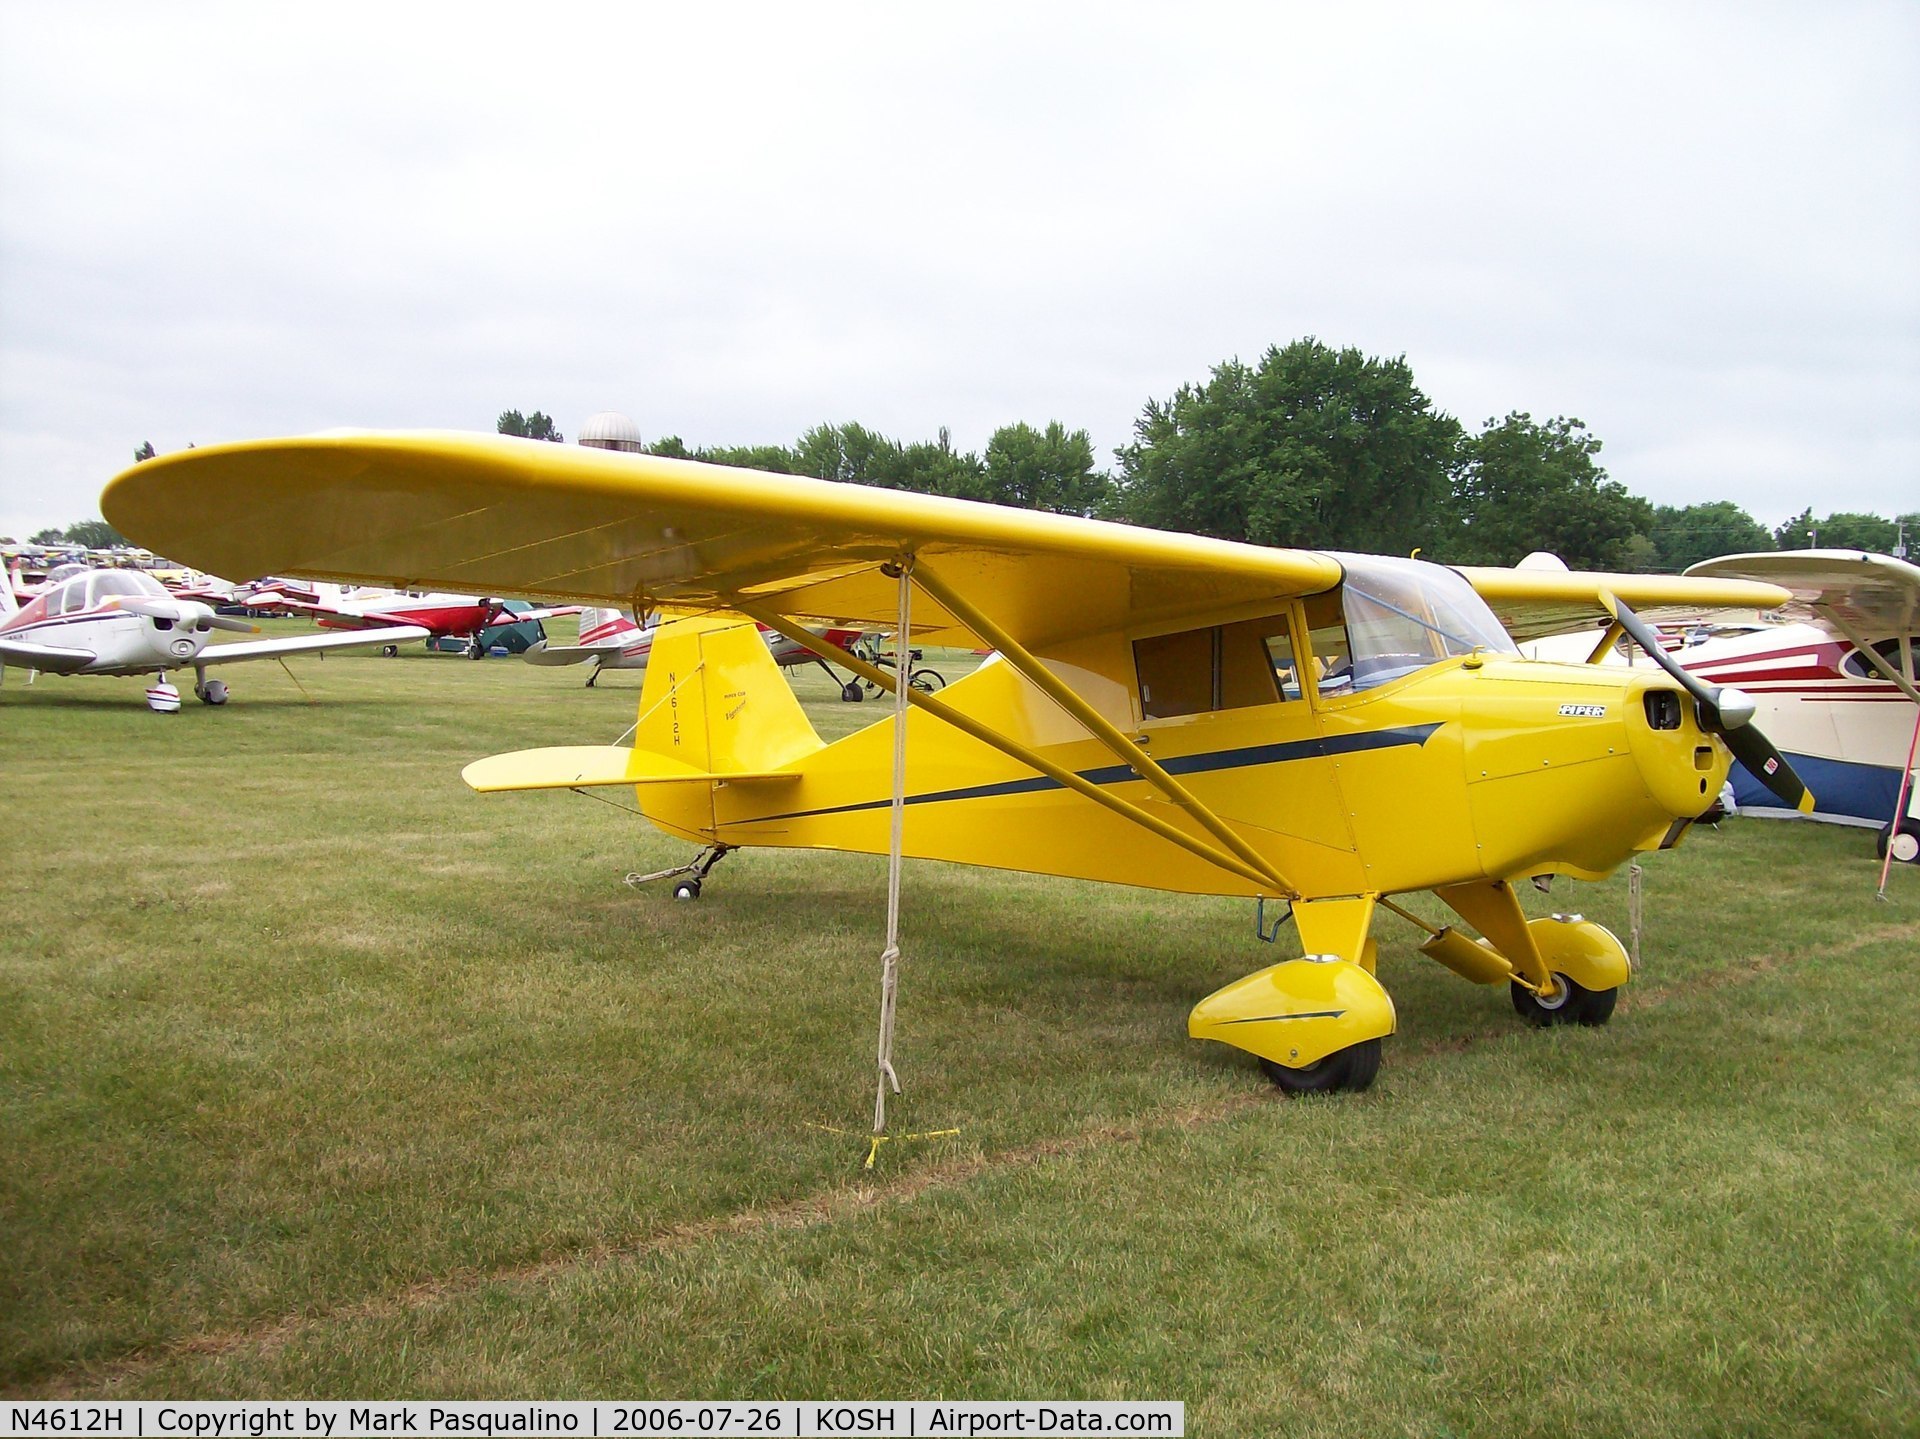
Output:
x,y
1247,757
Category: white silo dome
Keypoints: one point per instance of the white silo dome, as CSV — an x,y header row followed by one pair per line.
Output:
x,y
611,430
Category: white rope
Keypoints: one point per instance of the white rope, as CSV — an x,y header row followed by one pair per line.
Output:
x,y
890,956
647,713
1633,913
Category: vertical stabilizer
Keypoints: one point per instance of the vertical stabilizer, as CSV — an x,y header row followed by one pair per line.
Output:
x,y
714,699
598,626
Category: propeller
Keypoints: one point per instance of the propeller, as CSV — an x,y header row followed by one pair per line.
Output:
x,y
188,614
1726,711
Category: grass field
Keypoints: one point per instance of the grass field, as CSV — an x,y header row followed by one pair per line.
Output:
x,y
321,1076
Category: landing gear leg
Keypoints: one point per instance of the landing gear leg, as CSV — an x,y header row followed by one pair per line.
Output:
x,y
595,675
686,877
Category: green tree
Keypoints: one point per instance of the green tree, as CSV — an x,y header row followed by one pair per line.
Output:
x,y
1689,534
94,534
536,426
855,455
1529,486
1845,530
1048,469
1313,447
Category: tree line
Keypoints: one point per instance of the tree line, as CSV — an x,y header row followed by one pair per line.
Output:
x,y
1321,449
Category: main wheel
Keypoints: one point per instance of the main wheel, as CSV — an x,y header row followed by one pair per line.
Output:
x,y
687,889
1351,1069
1899,837
476,650
389,651
853,692
1570,1004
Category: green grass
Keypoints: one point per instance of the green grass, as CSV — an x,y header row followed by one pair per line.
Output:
x,y
322,1076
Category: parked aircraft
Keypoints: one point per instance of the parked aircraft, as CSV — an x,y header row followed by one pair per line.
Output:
x,y
1322,732
612,641
1836,686
123,622
435,613
609,639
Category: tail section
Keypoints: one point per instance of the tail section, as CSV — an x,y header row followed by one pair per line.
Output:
x,y
714,710
714,699
599,626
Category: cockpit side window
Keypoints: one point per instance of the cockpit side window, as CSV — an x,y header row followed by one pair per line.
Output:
x,y
1332,652
1900,655
1219,667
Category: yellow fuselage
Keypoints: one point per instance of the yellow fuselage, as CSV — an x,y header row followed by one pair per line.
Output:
x,y
1484,767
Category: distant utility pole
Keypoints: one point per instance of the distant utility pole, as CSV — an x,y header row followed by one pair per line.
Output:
x,y
1813,538
1900,544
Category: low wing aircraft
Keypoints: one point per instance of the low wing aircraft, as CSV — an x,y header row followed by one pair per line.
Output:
x,y
608,639
124,622
1320,731
434,614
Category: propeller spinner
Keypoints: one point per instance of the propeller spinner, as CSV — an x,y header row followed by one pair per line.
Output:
x,y
1726,711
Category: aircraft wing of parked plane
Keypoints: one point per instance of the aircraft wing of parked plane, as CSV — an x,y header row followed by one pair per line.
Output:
x,y
1321,731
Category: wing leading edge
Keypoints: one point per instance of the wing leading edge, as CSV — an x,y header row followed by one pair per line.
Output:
x,y
497,514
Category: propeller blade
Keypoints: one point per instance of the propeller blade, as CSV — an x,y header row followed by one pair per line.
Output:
x,y
1749,746
1769,766
228,622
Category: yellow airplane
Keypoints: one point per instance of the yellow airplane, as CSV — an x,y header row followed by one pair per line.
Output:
x,y
1321,731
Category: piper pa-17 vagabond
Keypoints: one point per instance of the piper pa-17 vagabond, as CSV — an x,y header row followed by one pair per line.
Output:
x,y
1324,731
124,622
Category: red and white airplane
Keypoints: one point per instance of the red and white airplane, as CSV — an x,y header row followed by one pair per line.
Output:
x,y
436,615
613,641
123,622
1837,686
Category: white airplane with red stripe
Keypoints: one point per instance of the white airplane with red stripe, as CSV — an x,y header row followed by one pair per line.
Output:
x,y
124,622
1835,688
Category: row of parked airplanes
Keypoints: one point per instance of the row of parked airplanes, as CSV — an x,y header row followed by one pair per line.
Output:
x,y
1327,733
1844,723
121,621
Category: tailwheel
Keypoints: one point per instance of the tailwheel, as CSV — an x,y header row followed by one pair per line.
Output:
x,y
687,889
1348,1070
1570,1003
852,692
1902,840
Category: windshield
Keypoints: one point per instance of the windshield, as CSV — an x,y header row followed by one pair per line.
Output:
x,y
1403,615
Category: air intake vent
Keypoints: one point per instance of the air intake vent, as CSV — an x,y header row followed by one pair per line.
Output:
x,y
1663,709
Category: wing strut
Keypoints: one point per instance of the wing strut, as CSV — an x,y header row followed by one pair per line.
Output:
x,y
967,724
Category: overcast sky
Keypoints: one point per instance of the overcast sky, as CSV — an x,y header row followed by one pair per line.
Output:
x,y
1695,227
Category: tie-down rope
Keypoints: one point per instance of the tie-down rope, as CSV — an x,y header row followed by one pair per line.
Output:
x,y
890,956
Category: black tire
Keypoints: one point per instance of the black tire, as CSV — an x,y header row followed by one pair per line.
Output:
x,y
476,650
1574,1004
687,889
927,681
1905,851
1348,1070
389,651
853,692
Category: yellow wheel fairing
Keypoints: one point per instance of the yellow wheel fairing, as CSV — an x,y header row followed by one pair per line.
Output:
x,y
1296,1013
1589,954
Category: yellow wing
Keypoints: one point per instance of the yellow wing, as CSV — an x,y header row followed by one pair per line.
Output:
x,y
494,514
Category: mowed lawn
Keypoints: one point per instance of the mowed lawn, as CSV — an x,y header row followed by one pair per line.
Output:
x,y
322,1076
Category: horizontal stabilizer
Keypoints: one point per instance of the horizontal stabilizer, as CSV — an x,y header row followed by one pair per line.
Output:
x,y
584,766
571,654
